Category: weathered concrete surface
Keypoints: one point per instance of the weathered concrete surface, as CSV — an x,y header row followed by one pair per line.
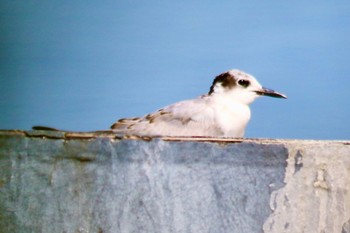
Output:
x,y
97,182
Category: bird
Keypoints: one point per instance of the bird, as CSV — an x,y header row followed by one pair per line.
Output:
x,y
222,112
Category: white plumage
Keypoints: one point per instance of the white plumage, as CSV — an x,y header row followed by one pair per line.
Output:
x,y
223,112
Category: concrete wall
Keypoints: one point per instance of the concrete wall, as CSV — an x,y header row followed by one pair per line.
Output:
x,y
52,181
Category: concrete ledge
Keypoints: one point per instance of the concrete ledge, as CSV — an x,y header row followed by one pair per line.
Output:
x,y
54,181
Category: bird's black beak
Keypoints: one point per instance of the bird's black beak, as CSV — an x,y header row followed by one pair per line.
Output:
x,y
271,93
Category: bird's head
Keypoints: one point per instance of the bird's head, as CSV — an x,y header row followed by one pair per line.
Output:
x,y
240,87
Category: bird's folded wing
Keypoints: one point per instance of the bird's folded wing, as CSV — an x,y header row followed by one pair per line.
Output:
x,y
175,115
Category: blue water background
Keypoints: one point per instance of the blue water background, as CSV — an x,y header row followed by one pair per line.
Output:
x,y
80,65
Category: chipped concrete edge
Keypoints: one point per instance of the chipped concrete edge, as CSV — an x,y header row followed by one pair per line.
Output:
x,y
316,195
57,134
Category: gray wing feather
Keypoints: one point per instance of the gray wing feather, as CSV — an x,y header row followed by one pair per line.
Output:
x,y
180,118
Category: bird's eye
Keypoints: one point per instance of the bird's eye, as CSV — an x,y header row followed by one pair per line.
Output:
x,y
243,82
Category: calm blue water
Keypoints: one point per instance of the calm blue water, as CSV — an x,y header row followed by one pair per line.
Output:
x,y
80,65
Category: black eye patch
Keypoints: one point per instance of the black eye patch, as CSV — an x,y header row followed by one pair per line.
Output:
x,y
243,83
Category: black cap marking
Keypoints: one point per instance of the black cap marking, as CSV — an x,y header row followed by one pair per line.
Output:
x,y
226,79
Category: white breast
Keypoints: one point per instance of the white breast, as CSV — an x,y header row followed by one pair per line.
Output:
x,y
232,117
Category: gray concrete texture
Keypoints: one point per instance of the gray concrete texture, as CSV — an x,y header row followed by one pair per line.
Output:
x,y
54,181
